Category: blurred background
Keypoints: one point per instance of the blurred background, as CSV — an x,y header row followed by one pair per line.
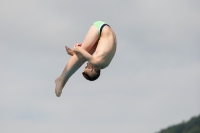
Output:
x,y
152,82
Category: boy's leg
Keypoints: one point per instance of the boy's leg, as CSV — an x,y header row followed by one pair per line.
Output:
x,y
76,61
91,38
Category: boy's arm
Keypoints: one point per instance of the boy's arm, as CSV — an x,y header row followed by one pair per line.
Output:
x,y
86,55
75,62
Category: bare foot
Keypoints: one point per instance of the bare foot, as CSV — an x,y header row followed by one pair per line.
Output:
x,y
59,87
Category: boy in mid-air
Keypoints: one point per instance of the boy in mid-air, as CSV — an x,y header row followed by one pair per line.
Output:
x,y
98,48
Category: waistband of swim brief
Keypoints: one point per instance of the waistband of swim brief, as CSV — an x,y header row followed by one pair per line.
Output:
x,y
100,25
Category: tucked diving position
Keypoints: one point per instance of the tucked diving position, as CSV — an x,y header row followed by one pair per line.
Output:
x,y
98,49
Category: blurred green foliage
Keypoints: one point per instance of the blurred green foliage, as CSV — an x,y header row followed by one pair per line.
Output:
x,y
192,126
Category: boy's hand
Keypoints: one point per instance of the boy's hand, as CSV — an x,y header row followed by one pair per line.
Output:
x,y
77,47
69,51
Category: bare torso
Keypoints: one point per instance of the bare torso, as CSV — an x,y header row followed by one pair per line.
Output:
x,y
106,47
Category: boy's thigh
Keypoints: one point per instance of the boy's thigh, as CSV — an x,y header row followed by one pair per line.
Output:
x,y
91,39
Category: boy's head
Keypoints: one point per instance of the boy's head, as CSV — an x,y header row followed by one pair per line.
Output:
x,y
91,73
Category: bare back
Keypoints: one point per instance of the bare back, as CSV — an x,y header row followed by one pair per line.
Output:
x,y
106,47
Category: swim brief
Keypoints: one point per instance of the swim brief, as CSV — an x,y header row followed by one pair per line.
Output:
x,y
100,25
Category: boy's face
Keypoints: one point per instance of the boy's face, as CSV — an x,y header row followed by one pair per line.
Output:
x,y
88,68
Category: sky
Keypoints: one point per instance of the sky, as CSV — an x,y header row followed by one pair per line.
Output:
x,y
151,83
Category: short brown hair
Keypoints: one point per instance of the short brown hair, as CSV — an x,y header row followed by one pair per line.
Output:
x,y
92,77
